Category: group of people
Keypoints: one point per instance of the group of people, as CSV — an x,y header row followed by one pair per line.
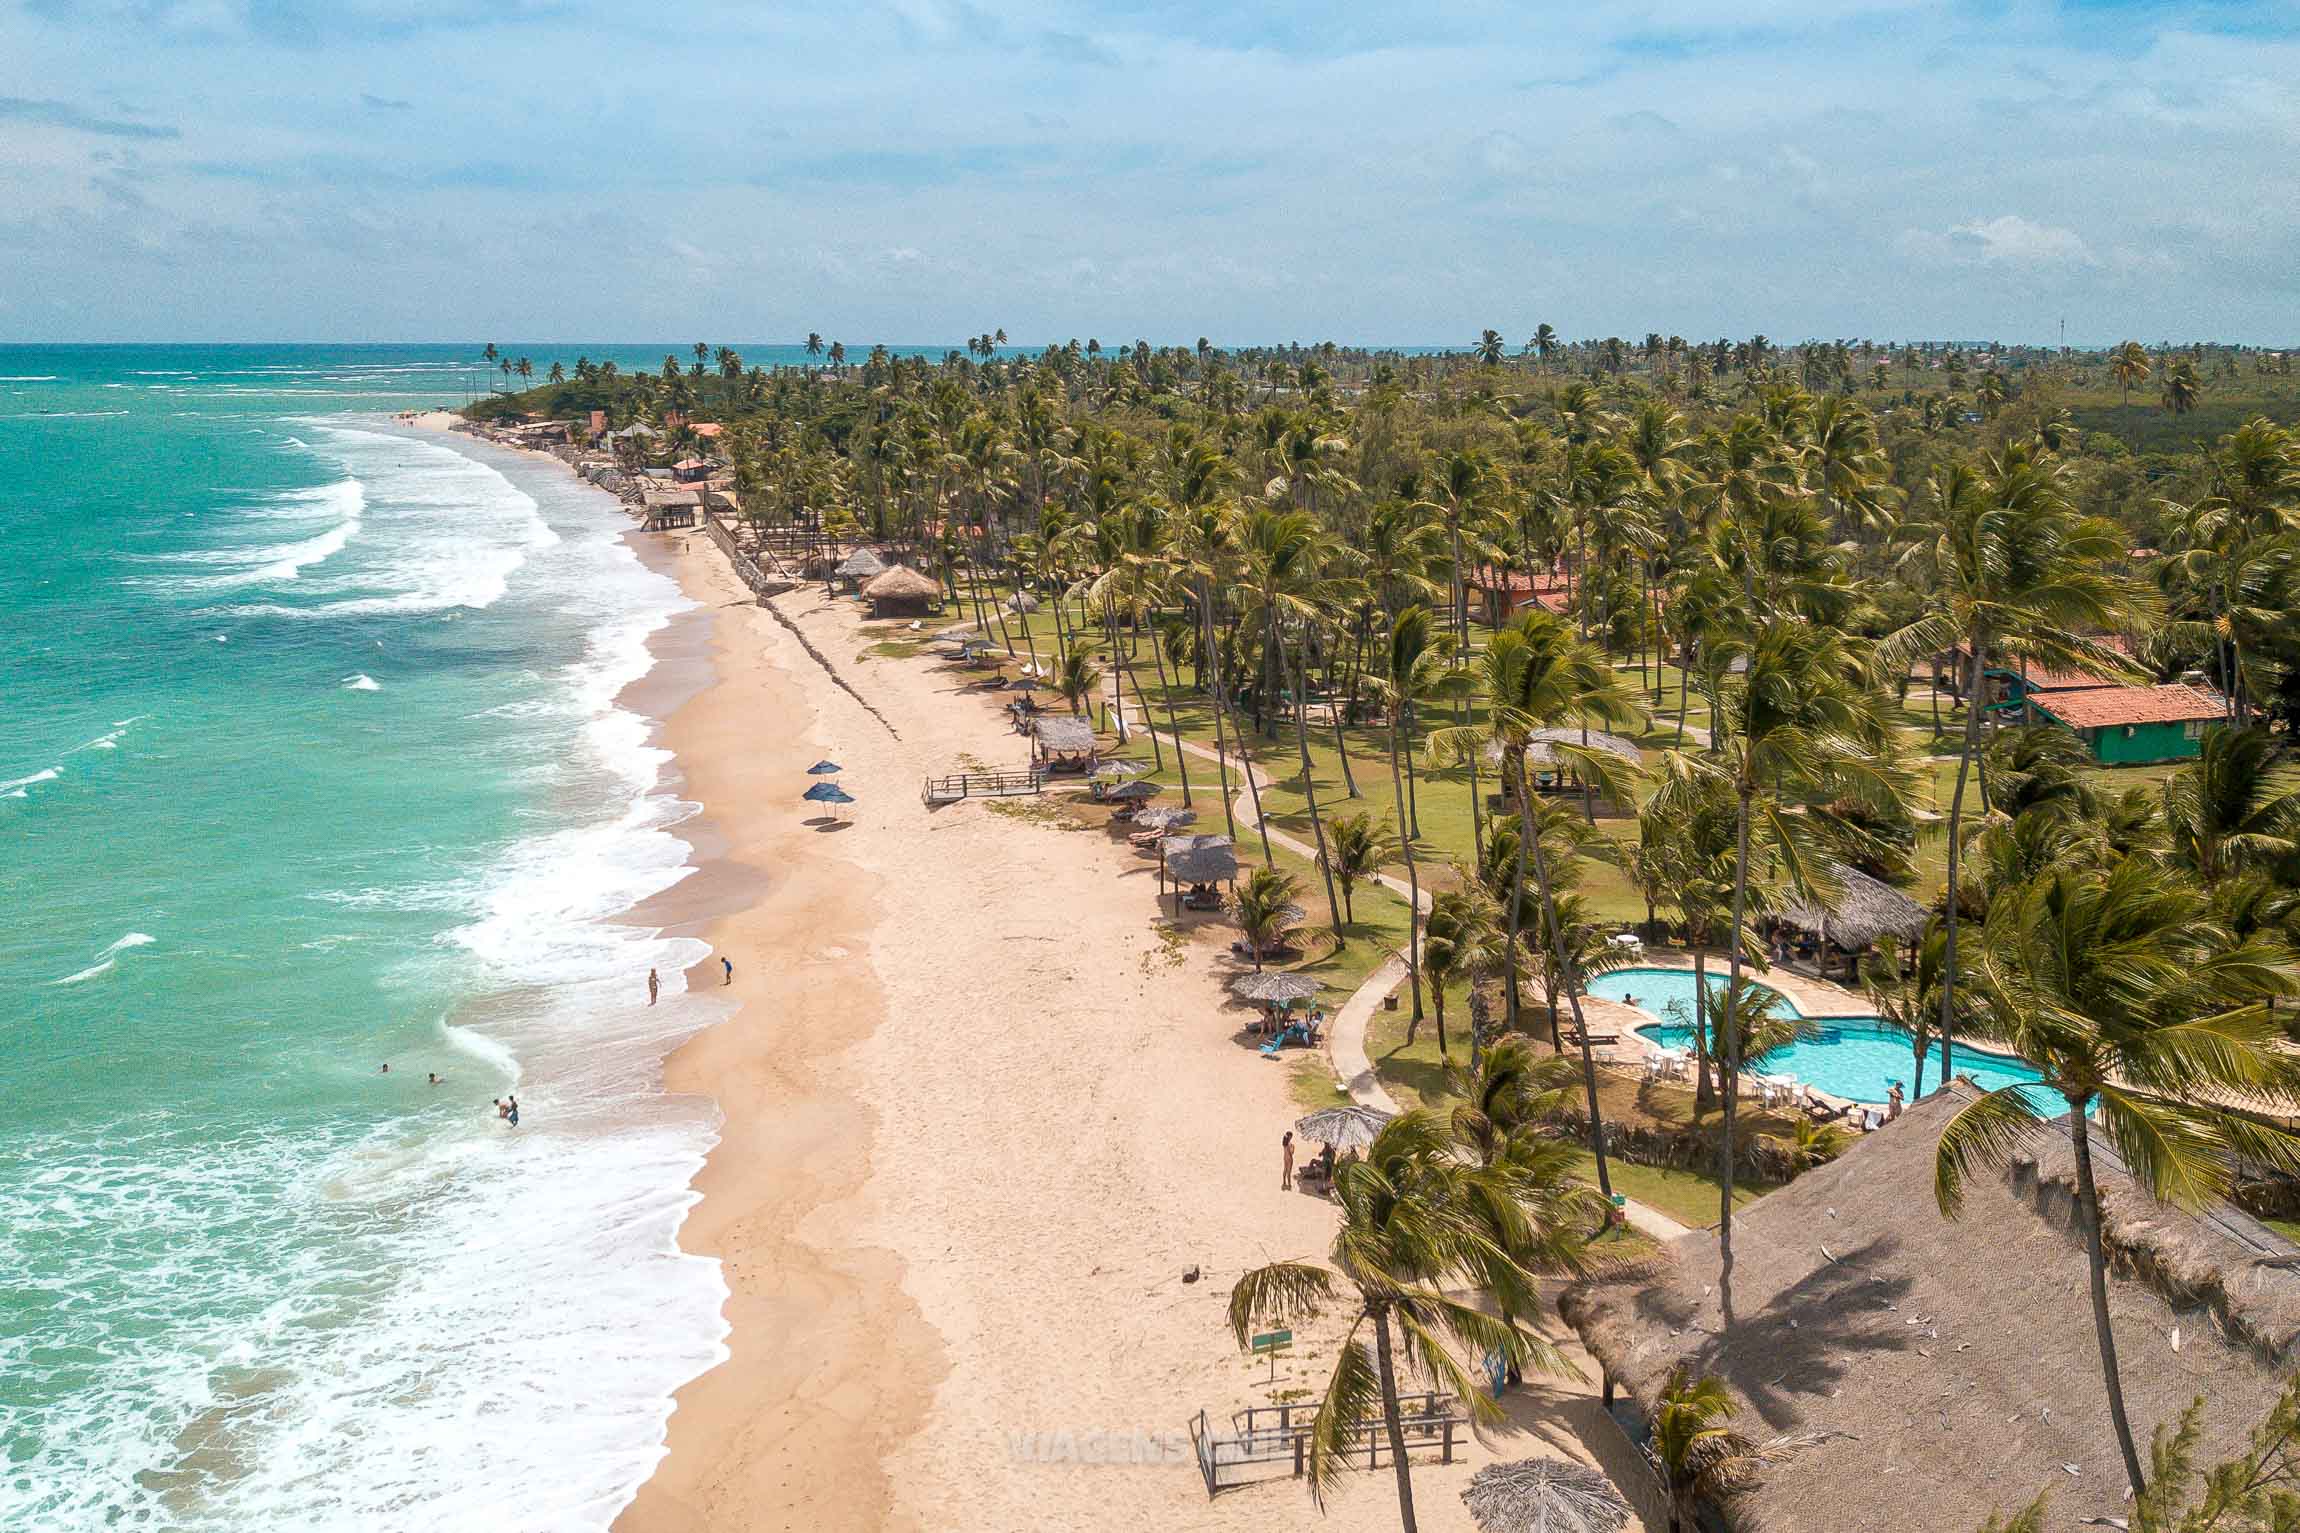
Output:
x,y
1321,1166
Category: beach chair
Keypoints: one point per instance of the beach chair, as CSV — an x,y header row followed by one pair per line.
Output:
x,y
1295,1032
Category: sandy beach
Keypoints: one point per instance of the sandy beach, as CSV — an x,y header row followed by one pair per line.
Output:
x,y
981,1115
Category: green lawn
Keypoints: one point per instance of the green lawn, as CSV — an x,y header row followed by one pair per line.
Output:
x,y
1685,1196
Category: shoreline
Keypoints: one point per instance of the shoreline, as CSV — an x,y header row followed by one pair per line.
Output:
x,y
993,1143
787,1136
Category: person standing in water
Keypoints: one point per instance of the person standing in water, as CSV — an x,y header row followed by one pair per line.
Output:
x,y
727,964
654,986
511,1111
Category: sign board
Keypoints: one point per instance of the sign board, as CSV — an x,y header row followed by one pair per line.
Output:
x,y
1270,1341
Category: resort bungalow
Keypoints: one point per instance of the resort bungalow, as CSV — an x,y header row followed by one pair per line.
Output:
x,y
1497,595
1063,744
1926,1372
1864,912
2129,726
902,592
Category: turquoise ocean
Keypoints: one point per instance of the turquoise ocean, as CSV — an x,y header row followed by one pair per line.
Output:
x,y
311,759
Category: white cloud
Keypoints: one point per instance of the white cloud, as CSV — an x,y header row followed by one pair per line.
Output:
x,y
2006,240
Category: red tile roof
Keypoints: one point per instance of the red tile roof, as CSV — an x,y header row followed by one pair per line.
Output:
x,y
2108,707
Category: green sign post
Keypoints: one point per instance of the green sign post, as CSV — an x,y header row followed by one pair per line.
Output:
x,y
1269,1344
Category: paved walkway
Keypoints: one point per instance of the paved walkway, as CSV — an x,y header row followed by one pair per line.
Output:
x,y
1346,1038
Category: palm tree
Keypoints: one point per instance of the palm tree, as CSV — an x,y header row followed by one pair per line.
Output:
x,y
1489,348
1457,943
2143,1014
1418,672
1356,848
1545,341
2182,387
814,344
1266,909
1413,1229
1535,674
2234,807
2128,365
1284,554
1797,734
1698,1457
1076,674
2012,565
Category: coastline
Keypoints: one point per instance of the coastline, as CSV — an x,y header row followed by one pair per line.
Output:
x,y
981,1111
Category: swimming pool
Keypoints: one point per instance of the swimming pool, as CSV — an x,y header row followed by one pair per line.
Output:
x,y
1856,1056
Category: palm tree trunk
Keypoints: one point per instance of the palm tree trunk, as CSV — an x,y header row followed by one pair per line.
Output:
x,y
1729,1064
1393,1427
1413,876
1973,695
1704,1093
1310,789
1173,720
1213,658
2088,1197
1572,991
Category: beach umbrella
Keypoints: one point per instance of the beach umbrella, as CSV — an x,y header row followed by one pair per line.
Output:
x,y
1275,985
1345,1128
828,793
824,768
1542,1495
1166,818
1135,791
1021,602
1112,771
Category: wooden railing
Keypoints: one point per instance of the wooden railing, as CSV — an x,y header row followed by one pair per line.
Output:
x,y
1280,1434
949,790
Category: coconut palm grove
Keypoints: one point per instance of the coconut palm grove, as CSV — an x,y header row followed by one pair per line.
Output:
x,y
1962,677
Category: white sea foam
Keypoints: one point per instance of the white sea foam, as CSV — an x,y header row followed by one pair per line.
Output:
x,y
28,378
361,682
45,774
106,959
457,1326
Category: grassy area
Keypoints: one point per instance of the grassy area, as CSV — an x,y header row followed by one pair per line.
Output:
x,y
1685,1196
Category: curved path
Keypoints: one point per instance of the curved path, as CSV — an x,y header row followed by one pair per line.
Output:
x,y
1346,1039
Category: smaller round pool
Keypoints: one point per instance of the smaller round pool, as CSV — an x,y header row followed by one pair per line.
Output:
x,y
1855,1056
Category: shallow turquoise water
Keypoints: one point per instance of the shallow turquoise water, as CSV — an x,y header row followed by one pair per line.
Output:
x,y
313,761
1857,1056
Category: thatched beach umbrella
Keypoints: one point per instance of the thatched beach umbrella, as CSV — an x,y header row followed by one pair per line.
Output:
x,y
1164,817
862,564
957,632
1541,1495
1132,792
1022,601
1272,985
1115,771
1345,1128
901,587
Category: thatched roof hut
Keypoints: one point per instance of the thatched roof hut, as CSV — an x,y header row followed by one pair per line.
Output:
x,y
1063,737
1863,912
1200,859
1958,1355
859,566
1540,757
902,590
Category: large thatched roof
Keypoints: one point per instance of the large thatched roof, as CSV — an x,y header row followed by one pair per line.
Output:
x,y
901,583
1064,737
1540,757
862,564
1959,1355
1200,859
1862,911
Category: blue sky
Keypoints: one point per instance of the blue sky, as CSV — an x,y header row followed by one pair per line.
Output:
x,y
928,169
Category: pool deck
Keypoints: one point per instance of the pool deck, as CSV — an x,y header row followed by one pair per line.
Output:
x,y
1813,997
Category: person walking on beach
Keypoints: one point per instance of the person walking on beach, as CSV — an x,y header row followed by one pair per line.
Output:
x,y
729,965
654,986
1286,1177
